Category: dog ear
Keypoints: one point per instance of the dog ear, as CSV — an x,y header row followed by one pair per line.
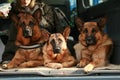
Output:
x,y
15,19
45,35
102,22
21,15
38,15
79,23
66,32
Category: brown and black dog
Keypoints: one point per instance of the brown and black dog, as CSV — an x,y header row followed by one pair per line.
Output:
x,y
56,53
94,47
30,39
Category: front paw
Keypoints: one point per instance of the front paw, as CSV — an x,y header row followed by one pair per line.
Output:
x,y
8,66
89,68
4,66
81,64
58,66
54,65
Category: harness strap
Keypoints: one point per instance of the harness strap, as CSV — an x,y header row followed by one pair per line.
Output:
x,y
32,46
41,7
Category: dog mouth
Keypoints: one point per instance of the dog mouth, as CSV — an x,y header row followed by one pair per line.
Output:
x,y
90,40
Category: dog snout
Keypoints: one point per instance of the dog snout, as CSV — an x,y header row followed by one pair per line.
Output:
x,y
56,46
57,50
90,40
28,32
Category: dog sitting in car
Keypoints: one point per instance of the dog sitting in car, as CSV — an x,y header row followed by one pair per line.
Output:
x,y
56,53
94,46
30,40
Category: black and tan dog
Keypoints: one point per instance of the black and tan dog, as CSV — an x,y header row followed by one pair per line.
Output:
x,y
30,39
56,53
94,47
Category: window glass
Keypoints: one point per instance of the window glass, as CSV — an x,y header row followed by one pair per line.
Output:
x,y
72,4
95,2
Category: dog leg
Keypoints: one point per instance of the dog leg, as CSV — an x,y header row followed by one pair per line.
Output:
x,y
99,58
85,58
16,61
31,64
69,62
83,63
54,65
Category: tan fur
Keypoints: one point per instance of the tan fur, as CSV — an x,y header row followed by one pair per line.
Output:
x,y
28,57
96,55
62,59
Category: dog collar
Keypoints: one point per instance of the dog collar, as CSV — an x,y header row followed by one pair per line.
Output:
x,y
31,46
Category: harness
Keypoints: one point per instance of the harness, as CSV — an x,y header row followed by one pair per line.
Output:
x,y
39,45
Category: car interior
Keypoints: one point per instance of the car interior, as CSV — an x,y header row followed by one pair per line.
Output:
x,y
87,10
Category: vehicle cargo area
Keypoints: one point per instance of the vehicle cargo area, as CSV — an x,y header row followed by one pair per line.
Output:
x,y
88,10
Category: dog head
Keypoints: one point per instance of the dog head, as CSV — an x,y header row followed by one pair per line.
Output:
x,y
26,24
57,41
90,32
28,29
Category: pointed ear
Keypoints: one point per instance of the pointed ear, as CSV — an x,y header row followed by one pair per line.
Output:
x,y
37,15
66,32
45,35
102,22
79,23
15,19
21,15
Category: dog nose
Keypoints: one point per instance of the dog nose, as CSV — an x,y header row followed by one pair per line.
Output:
x,y
90,40
27,32
57,50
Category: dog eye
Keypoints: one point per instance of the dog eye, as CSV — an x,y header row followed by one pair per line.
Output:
x,y
52,41
85,31
60,40
22,24
31,23
93,30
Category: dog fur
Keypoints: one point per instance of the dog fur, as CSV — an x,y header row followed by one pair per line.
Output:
x,y
56,53
33,35
94,47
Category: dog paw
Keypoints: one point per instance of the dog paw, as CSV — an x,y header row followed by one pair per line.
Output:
x,y
78,65
89,68
55,65
81,64
4,66
8,66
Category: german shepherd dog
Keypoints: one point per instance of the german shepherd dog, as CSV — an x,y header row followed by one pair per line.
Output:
x,y
30,39
56,53
94,47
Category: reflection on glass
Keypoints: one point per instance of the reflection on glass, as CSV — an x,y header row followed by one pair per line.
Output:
x,y
95,2
72,4
90,3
